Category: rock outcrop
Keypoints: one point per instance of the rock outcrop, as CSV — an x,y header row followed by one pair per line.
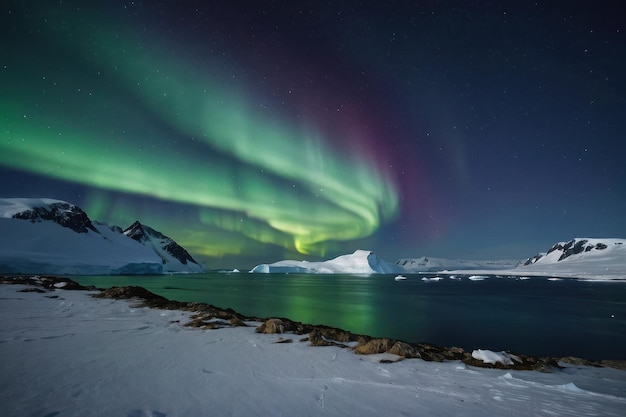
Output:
x,y
64,214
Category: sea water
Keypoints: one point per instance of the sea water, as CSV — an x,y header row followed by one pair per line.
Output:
x,y
535,316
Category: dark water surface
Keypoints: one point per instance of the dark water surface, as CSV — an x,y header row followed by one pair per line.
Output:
x,y
534,316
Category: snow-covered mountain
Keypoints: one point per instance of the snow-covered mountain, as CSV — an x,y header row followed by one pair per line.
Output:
x,y
581,257
359,262
585,258
164,246
578,249
55,237
429,264
40,209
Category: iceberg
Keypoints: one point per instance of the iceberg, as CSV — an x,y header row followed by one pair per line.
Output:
x,y
359,262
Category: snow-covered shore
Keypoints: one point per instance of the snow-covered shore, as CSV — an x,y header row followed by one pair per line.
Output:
x,y
68,354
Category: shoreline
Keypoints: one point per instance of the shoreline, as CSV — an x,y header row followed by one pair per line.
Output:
x,y
209,317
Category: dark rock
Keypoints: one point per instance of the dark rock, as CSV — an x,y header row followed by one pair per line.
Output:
x,y
617,364
573,360
572,247
142,233
327,336
206,321
519,362
374,346
272,326
64,284
534,259
197,320
317,338
212,325
64,214
405,350
386,360
43,281
237,322
125,293
434,353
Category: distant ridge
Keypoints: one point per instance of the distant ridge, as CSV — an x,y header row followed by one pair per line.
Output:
x,y
163,246
583,247
43,235
37,210
430,264
586,258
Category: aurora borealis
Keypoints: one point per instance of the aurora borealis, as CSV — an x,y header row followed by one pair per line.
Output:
x,y
253,132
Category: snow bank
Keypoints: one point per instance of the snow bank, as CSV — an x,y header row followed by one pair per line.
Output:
x,y
488,356
76,356
359,262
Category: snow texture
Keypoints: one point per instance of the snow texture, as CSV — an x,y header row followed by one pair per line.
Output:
x,y
67,354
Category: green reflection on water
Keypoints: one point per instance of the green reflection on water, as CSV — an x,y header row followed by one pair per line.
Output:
x,y
346,301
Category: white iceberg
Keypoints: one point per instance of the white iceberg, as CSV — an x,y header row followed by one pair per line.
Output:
x,y
359,262
488,356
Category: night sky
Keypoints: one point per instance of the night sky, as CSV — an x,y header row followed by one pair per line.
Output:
x,y
257,131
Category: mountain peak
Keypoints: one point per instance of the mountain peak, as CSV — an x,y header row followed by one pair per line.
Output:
x,y
135,231
164,246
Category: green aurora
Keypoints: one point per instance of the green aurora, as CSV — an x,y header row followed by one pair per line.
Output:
x,y
133,115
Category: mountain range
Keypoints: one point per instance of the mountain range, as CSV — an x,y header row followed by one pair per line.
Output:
x,y
579,258
42,235
47,236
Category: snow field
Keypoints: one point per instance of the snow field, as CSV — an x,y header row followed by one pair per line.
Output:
x,y
77,356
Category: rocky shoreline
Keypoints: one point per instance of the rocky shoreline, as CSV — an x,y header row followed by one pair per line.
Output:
x,y
207,316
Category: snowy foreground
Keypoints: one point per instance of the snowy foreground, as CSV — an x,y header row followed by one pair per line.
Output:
x,y
67,354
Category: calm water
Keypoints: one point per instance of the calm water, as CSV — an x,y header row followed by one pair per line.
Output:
x,y
534,316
